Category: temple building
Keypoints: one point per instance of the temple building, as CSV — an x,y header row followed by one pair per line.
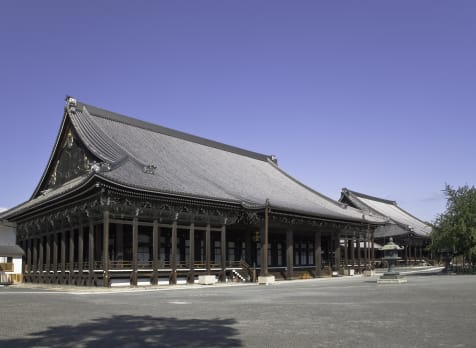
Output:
x,y
122,200
405,229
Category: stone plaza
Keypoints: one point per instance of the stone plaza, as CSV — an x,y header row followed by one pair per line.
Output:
x,y
429,311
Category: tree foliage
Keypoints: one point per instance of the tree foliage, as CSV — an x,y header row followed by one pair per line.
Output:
x,y
456,227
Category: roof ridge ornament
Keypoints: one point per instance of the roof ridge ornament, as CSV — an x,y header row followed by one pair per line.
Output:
x,y
71,104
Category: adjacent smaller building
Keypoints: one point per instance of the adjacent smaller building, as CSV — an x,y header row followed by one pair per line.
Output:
x,y
405,229
10,255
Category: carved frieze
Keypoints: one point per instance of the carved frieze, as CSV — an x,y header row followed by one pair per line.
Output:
x,y
72,161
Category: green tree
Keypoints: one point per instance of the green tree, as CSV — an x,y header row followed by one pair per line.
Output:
x,y
456,227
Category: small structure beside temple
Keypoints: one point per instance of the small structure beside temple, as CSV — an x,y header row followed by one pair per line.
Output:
x,y
10,255
405,229
390,251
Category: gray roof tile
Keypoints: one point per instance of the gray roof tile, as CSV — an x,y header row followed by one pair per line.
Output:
x,y
400,221
195,166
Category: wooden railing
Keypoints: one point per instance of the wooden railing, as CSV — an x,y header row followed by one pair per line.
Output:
x,y
118,265
6,267
10,278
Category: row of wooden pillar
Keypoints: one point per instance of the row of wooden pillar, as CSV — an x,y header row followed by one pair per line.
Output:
x,y
38,264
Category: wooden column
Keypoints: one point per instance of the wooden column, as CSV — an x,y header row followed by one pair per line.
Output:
x,y
63,256
208,249
337,253
346,254
55,256
173,255
248,245
318,253
71,255
135,246
365,252
28,255
223,253
80,251
358,252
406,253
191,237
40,259
373,251
155,252
289,254
352,251
48,255
265,242
91,254
35,254
350,243
119,242
105,249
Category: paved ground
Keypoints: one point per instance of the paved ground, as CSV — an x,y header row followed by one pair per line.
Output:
x,y
428,311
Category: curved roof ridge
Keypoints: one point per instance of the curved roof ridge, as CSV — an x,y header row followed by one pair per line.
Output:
x,y
363,195
94,138
116,117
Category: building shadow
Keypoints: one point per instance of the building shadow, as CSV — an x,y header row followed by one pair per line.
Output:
x,y
135,331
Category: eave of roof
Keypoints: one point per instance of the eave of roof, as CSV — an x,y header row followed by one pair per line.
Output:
x,y
11,251
359,200
48,198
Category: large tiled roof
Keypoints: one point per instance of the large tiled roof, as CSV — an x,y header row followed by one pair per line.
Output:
x,y
194,166
399,221
191,166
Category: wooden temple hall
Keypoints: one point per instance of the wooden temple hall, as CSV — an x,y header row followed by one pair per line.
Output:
x,y
126,201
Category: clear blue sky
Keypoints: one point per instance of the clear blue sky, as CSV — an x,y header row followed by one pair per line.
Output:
x,y
376,96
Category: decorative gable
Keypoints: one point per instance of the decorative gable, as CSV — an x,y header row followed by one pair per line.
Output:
x,y
70,160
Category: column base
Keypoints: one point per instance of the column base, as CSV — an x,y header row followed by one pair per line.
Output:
x,y
207,279
266,280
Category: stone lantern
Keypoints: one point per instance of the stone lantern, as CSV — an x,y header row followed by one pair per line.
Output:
x,y
390,252
447,256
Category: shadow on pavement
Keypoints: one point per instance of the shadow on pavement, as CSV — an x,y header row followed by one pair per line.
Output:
x,y
135,331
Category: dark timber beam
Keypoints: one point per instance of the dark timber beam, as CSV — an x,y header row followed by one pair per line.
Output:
x,y
155,252
173,255
28,255
91,254
40,259
358,252
191,237
80,250
352,251
223,253
71,255
337,253
265,242
289,254
63,256
35,254
318,253
208,249
55,256
135,245
105,249
48,255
